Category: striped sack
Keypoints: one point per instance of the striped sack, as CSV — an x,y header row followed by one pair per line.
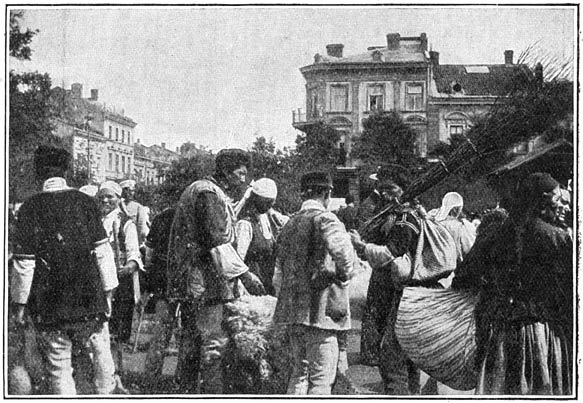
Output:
x,y
437,330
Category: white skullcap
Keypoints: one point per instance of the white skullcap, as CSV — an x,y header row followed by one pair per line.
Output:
x,y
265,187
450,200
111,185
90,190
130,183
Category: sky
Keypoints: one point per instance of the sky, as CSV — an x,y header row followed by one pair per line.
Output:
x,y
220,76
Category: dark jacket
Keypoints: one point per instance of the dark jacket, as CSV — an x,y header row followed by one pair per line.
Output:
x,y
157,240
202,262
60,229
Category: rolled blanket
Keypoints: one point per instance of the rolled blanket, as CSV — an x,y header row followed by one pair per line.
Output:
x,y
436,328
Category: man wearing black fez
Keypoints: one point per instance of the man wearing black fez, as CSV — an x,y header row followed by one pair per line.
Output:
x,y
64,273
205,271
314,265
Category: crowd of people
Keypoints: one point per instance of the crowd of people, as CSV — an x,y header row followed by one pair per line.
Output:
x,y
83,260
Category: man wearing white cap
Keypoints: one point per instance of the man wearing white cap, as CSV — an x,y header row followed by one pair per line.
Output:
x,y
123,237
257,230
135,210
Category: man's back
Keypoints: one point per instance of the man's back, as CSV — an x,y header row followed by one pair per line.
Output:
x,y
313,243
60,229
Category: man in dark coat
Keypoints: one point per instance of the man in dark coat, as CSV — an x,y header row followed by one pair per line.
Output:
x,y
205,271
349,214
64,273
398,236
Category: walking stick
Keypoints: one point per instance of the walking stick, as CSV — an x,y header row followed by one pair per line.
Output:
x,y
140,322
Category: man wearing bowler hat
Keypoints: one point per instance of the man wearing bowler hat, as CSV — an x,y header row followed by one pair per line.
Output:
x,y
315,263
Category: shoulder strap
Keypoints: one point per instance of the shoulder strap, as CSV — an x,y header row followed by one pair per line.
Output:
x,y
121,236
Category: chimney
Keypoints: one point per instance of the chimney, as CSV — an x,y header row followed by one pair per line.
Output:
x,y
434,57
164,146
94,95
76,90
377,56
138,140
538,72
393,41
177,150
423,38
335,49
508,54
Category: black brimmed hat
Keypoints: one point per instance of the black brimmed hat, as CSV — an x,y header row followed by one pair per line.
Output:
x,y
314,180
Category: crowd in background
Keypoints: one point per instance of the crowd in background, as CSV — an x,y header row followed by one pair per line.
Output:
x,y
83,261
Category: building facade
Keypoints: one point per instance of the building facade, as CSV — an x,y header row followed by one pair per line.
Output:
x,y
404,77
151,163
101,136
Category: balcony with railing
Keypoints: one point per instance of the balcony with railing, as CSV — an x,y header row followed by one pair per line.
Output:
x,y
301,120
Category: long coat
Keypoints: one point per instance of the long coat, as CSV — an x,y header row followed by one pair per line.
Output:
x,y
315,254
202,262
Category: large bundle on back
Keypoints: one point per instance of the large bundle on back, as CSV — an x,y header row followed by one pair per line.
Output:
x,y
531,107
436,329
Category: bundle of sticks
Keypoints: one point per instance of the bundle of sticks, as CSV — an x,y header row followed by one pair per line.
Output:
x,y
531,108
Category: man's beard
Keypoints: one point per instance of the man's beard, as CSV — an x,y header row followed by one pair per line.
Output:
x,y
236,192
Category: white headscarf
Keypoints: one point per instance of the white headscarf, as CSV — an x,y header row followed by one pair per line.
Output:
x,y
450,200
265,187
111,185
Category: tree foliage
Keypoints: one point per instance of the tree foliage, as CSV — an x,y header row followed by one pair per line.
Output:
x,y
182,173
315,149
20,40
30,114
444,149
385,139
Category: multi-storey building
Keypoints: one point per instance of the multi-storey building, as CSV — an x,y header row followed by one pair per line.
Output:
x,y
152,162
402,76
100,134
